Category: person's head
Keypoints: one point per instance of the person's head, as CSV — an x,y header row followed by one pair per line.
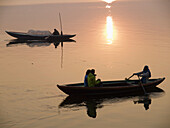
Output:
x,y
55,29
88,71
93,71
145,68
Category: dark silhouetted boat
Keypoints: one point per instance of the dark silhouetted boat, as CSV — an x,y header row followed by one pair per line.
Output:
x,y
39,35
117,88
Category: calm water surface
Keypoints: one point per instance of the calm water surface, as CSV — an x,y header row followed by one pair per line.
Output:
x,y
116,41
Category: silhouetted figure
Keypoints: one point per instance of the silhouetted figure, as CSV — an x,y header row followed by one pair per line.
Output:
x,y
145,74
85,78
92,82
56,32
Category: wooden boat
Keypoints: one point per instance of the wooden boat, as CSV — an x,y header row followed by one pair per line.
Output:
x,y
118,87
53,38
46,35
24,35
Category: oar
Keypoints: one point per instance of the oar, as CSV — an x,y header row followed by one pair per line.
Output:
x,y
129,77
142,85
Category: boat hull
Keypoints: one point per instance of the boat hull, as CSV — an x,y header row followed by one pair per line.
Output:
x,y
50,38
110,87
20,35
53,38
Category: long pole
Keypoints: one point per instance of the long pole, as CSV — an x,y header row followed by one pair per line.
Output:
x,y
61,24
61,41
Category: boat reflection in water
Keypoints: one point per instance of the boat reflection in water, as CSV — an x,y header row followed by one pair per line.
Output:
x,y
36,43
40,43
95,102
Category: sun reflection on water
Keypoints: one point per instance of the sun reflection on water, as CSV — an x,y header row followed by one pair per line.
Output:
x,y
111,32
109,1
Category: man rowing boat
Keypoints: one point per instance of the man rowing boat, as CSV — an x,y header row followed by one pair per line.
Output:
x,y
145,74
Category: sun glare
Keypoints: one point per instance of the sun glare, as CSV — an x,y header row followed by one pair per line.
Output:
x,y
110,30
109,1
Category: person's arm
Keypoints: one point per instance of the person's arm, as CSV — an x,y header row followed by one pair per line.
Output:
x,y
138,73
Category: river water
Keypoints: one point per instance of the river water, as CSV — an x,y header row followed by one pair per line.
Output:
x,y
116,40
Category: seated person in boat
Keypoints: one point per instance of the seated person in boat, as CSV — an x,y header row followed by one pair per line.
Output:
x,y
85,78
91,79
145,74
56,32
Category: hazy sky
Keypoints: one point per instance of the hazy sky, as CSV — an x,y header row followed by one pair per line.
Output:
x,y
23,2
27,2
